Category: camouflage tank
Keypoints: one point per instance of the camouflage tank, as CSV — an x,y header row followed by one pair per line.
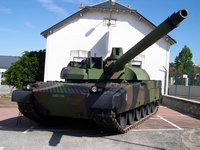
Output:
x,y
113,93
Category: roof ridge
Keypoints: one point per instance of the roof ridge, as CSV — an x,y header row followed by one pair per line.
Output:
x,y
106,3
8,56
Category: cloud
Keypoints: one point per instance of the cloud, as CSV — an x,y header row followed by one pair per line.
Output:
x,y
7,30
28,24
50,5
5,10
79,1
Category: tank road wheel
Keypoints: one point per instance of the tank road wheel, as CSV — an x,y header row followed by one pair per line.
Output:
x,y
148,110
152,107
131,116
137,114
143,111
122,119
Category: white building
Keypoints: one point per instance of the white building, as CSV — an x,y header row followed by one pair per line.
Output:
x,y
5,62
88,32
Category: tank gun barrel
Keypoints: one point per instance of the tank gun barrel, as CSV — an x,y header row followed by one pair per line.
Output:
x,y
165,27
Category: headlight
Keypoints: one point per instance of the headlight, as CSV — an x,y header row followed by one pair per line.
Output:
x,y
27,87
94,89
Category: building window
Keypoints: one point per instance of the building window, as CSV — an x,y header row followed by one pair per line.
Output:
x,y
2,74
136,63
78,59
78,55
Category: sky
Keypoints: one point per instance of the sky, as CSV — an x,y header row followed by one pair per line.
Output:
x,y
22,21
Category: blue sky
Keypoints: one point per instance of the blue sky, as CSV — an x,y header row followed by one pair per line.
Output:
x,y
22,21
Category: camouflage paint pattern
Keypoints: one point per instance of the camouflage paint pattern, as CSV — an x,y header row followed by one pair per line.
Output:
x,y
77,100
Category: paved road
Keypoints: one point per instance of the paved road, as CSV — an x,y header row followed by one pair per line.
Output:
x,y
167,130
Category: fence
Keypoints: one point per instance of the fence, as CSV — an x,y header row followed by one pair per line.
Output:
x,y
185,87
187,81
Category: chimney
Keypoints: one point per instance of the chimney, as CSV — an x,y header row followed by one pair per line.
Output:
x,y
112,2
81,6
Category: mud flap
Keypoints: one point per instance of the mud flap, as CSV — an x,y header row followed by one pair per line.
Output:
x,y
22,96
99,101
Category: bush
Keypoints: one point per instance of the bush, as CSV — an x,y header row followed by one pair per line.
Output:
x,y
28,69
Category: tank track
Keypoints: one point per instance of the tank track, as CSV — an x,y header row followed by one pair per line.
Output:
x,y
29,111
107,119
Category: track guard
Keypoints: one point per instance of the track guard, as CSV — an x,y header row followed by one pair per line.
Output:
x,y
22,96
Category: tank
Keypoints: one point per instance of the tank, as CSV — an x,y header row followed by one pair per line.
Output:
x,y
111,92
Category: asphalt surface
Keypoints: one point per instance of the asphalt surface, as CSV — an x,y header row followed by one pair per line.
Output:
x,y
167,130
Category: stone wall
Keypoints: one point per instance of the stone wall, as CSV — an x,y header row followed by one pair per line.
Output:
x,y
190,106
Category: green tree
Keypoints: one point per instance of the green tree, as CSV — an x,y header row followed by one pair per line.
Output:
x,y
183,62
29,68
172,70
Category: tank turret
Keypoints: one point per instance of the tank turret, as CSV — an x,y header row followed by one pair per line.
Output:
x,y
114,68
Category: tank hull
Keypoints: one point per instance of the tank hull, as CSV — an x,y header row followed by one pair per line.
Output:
x,y
57,99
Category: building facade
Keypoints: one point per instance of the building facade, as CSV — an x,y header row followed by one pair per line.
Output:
x,y
94,30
